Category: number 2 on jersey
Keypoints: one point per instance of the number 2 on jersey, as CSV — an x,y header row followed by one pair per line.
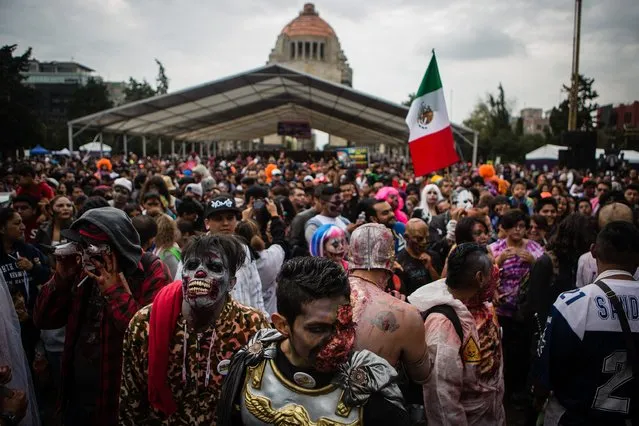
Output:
x,y
617,365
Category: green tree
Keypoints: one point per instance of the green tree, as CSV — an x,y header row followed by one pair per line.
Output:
x,y
586,105
90,98
161,80
21,128
137,90
409,101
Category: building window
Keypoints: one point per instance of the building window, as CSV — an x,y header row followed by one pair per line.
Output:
x,y
322,51
307,50
627,117
300,48
314,50
293,50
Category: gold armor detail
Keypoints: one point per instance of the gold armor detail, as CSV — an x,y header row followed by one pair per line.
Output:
x,y
289,415
342,410
256,373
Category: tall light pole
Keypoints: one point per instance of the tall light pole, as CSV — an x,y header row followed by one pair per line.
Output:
x,y
574,86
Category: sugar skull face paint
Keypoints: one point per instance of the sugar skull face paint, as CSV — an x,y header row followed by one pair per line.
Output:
x,y
205,280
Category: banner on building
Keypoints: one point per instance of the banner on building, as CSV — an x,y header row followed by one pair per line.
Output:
x,y
353,157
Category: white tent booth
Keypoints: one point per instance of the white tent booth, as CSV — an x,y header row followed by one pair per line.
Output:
x,y
95,148
548,155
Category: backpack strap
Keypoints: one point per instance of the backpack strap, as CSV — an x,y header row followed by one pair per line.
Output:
x,y
449,312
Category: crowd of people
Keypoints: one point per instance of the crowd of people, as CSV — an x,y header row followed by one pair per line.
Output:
x,y
254,291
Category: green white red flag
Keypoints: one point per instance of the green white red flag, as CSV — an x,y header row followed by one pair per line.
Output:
x,y
431,142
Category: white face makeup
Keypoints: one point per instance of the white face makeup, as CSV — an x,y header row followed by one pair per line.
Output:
x,y
335,248
205,280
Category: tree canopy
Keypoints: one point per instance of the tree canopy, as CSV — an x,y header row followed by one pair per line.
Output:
x,y
21,127
136,90
586,105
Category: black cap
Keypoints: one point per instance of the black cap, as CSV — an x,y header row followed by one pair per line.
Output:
x,y
221,203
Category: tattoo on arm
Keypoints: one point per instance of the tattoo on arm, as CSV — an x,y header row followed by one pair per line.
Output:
x,y
385,321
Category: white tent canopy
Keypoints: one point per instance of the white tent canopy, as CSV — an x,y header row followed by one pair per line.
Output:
x,y
551,152
64,152
95,147
546,152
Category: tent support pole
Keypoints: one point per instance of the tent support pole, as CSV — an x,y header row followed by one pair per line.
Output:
x,y
208,149
160,147
101,145
70,136
172,147
125,138
201,150
144,146
184,149
475,143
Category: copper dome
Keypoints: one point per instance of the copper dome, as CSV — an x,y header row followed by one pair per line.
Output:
x,y
308,23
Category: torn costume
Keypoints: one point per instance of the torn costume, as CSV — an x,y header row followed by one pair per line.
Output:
x,y
263,387
172,375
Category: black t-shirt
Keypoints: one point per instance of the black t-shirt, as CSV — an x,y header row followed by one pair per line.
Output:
x,y
416,274
377,411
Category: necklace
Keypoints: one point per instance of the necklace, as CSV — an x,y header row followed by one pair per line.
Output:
x,y
365,279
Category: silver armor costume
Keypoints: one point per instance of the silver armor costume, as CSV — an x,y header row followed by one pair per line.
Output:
x,y
267,397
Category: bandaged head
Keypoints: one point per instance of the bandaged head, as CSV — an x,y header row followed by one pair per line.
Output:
x,y
372,247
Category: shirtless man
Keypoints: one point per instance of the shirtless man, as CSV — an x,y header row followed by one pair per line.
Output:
x,y
387,326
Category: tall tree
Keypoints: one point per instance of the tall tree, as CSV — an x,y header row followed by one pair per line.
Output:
x,y
20,126
136,90
161,80
409,101
586,105
90,98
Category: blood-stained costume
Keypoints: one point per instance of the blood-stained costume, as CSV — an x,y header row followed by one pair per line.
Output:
x,y
177,350
269,390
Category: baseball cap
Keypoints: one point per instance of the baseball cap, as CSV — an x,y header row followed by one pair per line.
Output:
x,y
276,172
308,178
195,188
124,183
221,203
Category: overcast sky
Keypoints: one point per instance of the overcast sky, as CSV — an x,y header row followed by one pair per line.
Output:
x,y
525,44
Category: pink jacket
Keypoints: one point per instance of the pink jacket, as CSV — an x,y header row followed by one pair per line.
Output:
x,y
457,393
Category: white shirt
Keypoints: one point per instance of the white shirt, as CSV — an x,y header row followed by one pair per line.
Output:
x,y
587,270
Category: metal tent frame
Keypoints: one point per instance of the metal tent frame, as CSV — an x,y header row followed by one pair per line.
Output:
x,y
249,105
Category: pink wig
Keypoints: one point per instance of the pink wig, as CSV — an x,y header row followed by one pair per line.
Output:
x,y
384,193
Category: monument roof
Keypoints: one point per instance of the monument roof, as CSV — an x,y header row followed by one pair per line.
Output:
x,y
308,23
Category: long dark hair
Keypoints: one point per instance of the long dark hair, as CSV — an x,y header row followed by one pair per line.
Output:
x,y
575,234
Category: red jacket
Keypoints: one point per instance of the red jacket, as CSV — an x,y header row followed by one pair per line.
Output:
x,y
37,191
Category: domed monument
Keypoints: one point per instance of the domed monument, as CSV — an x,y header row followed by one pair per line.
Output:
x,y
309,44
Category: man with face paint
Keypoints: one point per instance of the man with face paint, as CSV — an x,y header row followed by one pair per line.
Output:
x,y
466,385
177,350
122,188
331,205
421,266
304,372
95,293
386,325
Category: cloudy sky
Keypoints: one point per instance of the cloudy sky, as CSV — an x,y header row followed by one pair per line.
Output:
x,y
525,44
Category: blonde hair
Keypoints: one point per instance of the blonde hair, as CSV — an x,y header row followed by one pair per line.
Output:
x,y
168,232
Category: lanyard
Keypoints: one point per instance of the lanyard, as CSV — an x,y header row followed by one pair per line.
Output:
x,y
611,273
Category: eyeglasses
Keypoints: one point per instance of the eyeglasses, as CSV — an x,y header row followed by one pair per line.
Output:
x,y
520,226
21,208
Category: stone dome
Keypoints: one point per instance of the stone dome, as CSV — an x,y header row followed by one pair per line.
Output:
x,y
308,23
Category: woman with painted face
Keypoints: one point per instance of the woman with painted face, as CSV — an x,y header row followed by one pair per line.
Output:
x,y
305,370
330,241
431,195
24,269
61,210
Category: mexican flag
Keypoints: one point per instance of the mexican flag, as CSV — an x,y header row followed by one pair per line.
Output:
x,y
431,142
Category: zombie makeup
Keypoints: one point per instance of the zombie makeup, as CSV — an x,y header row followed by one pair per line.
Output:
x,y
487,290
205,280
335,351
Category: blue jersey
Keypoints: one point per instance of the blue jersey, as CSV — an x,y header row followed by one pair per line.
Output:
x,y
583,356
